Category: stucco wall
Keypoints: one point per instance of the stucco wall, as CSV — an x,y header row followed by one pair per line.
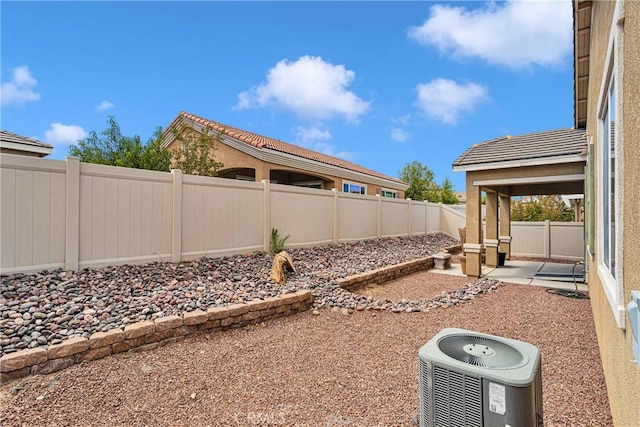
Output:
x,y
623,376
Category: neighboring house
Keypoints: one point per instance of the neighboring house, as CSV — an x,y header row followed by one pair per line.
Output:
x,y
607,94
12,143
253,157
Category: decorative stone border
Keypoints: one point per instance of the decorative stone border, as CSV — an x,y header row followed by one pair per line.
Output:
x,y
384,274
146,335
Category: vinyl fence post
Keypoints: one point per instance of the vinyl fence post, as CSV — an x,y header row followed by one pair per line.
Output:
x,y
266,214
547,238
379,205
72,219
409,216
426,217
336,217
176,224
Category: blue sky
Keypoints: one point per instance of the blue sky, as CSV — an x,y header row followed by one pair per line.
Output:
x,y
378,83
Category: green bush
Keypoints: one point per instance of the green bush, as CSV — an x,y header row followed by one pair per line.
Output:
x,y
277,242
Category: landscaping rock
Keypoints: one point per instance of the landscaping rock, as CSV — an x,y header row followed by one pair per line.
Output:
x,y
51,307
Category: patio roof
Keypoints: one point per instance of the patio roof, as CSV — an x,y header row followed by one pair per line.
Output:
x,y
540,148
549,162
17,144
541,163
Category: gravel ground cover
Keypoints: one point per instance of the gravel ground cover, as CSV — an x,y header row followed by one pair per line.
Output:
x,y
48,307
330,369
352,361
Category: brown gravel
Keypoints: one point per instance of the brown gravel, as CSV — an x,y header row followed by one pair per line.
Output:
x,y
316,370
425,284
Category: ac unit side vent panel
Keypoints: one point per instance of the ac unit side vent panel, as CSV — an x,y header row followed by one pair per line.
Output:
x,y
426,416
458,398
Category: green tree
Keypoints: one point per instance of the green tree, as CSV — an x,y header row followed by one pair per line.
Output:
x,y
195,155
541,208
111,147
421,183
447,193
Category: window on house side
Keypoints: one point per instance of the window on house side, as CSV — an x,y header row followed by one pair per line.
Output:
x,y
351,187
608,122
389,193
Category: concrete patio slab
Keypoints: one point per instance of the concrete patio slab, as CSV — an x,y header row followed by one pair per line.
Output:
x,y
524,273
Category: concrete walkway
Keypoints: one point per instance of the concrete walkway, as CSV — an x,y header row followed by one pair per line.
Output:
x,y
535,273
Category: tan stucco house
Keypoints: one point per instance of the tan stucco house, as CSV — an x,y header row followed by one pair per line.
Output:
x,y
607,106
253,157
12,143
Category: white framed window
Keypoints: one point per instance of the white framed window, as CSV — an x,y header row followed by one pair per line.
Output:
x,y
354,187
607,179
388,193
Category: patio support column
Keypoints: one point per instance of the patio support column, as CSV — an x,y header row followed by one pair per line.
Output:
x,y
262,173
505,225
473,245
491,238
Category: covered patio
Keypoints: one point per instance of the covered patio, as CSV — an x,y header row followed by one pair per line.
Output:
x,y
542,163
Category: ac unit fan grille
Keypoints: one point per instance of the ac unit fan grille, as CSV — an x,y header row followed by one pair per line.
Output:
x,y
482,351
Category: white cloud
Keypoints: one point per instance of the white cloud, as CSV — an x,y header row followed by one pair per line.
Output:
x,y
313,133
402,120
445,99
63,135
105,105
516,33
330,150
19,90
310,87
399,135
313,138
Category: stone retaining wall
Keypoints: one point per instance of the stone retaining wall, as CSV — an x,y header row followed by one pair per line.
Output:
x,y
147,334
384,274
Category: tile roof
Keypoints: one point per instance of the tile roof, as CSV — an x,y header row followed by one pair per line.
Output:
x,y
539,145
261,141
19,139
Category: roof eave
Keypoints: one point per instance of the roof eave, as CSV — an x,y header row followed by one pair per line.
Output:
x,y
37,149
540,161
277,157
581,51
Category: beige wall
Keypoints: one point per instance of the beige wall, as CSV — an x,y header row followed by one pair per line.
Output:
x,y
623,377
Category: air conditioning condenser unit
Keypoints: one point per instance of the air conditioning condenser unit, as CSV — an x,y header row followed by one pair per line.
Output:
x,y
470,379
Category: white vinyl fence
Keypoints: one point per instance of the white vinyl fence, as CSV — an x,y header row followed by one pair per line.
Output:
x,y
71,215
546,239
